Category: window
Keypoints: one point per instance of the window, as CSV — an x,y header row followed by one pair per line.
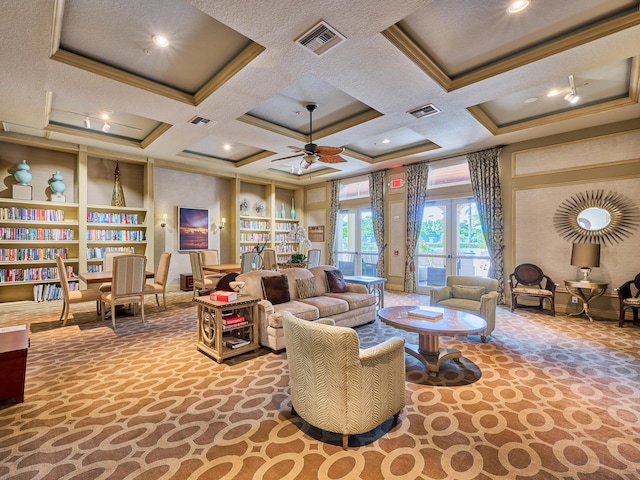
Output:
x,y
448,174
354,188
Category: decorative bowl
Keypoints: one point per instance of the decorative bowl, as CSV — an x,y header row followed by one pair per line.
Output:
x,y
237,286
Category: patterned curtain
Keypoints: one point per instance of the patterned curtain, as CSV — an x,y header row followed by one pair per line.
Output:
x,y
333,215
485,183
376,192
416,199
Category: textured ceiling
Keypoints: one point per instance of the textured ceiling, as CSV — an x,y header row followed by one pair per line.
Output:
x,y
237,64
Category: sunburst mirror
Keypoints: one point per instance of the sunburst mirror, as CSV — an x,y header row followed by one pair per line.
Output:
x,y
596,217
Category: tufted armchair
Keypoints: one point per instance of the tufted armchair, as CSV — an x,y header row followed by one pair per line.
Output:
x,y
628,299
470,294
336,386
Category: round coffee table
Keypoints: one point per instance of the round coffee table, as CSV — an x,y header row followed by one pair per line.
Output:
x,y
453,322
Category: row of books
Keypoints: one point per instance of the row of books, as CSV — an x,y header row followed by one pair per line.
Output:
x,y
254,237
285,226
36,214
13,233
98,252
27,254
31,274
122,218
45,292
255,224
121,235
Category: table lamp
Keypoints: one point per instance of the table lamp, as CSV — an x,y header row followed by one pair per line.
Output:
x,y
585,256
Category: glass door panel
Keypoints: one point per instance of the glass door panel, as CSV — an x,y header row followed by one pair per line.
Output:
x,y
355,248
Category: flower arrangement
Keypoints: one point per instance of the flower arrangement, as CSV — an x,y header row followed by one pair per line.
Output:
x,y
297,236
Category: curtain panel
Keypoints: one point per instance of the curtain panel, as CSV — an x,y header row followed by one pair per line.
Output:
x,y
485,184
417,175
376,192
334,207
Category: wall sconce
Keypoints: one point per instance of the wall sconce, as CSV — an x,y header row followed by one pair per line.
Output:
x,y
215,227
163,223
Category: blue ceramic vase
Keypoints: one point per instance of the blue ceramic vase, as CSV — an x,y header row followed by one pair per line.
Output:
x,y
22,175
56,185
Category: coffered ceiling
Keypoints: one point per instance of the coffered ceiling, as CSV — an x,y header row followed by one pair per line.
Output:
x,y
228,93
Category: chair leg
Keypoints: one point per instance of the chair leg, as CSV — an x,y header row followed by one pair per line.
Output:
x,y
164,300
345,442
621,319
158,300
65,313
142,308
113,316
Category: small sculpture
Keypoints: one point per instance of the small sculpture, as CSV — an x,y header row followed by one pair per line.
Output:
x,y
57,186
22,175
117,198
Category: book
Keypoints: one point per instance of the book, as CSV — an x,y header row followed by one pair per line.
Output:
x,y
234,342
234,325
426,313
222,296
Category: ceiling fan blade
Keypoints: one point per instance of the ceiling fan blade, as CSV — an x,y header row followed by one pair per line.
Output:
x,y
329,150
331,159
297,149
287,158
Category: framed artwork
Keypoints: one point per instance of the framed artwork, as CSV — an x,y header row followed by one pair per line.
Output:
x,y
193,229
316,233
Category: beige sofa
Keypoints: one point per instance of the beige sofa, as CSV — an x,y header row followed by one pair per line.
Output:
x,y
470,294
348,309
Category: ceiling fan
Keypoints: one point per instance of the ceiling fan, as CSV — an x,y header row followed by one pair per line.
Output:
x,y
312,152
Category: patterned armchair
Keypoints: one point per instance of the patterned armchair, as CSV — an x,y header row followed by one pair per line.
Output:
x,y
337,387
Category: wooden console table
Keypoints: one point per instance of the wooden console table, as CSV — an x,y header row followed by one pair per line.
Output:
x,y
14,342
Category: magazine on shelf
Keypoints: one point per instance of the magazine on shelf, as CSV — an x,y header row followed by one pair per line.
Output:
x,y
427,313
234,342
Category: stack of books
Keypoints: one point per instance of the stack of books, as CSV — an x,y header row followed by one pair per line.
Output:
x,y
230,320
234,342
426,313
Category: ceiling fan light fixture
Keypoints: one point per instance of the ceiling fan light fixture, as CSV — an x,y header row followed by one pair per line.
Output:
x,y
572,97
309,158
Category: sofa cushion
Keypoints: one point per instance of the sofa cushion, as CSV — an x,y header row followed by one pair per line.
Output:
x,y
292,275
253,282
307,287
276,289
355,300
467,292
327,306
460,304
335,281
531,291
299,309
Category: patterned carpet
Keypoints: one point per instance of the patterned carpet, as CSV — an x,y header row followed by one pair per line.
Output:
x,y
546,398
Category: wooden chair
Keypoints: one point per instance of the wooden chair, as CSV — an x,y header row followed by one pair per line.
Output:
x,y
628,299
107,266
529,280
269,259
335,385
73,296
127,285
159,284
313,257
200,281
211,257
248,261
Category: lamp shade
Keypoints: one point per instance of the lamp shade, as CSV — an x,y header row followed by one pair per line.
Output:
x,y
585,255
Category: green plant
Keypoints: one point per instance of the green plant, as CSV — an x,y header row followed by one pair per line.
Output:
x,y
298,258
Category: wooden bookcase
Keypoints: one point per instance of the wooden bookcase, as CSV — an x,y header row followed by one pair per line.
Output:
x,y
89,185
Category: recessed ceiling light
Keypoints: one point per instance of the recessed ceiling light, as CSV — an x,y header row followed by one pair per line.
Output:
x,y
531,100
105,116
160,40
386,140
517,6
227,147
553,92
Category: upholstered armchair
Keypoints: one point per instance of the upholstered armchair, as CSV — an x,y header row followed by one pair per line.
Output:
x,y
476,295
529,280
336,386
629,299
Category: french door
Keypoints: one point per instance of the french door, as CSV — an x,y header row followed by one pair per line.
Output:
x,y
450,243
355,248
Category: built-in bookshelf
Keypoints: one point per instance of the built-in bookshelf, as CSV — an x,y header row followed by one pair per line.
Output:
x,y
32,234
81,226
254,231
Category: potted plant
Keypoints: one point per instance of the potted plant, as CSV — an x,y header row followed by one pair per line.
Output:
x,y
298,258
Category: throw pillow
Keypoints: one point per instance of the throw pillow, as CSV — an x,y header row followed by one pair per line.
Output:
x,y
307,287
467,292
276,289
335,281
